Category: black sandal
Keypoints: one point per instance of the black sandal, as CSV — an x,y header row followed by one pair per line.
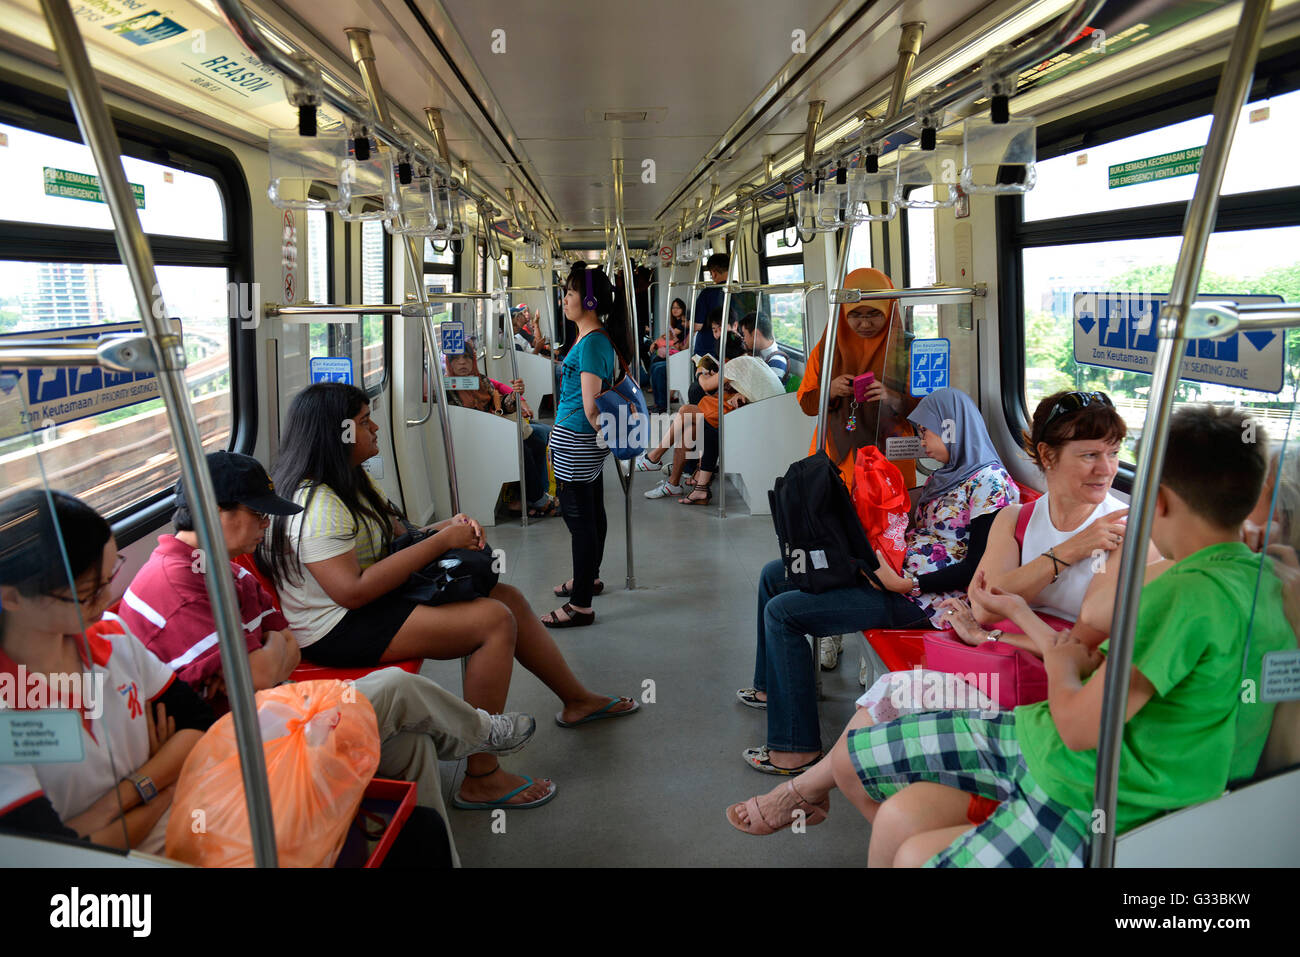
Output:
x,y
564,592
576,619
708,495
552,508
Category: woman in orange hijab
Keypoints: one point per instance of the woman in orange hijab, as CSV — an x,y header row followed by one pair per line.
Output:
x,y
870,338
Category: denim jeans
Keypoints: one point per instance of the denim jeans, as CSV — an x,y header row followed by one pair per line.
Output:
x,y
583,506
783,663
659,382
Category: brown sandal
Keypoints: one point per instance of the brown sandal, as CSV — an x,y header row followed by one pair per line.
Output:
x,y
576,619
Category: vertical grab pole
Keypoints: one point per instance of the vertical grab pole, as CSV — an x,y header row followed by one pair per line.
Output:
x,y
169,353
630,294
415,266
619,238
733,267
1234,86
839,267
519,403
363,55
668,335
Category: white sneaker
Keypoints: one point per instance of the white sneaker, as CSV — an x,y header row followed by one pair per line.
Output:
x,y
665,489
643,464
831,646
509,732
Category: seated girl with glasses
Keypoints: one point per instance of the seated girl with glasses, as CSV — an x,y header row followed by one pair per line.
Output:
x,y
138,723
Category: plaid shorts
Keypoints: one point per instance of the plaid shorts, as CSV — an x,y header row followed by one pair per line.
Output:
x,y
979,756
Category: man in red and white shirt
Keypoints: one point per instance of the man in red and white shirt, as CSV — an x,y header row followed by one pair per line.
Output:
x,y
167,605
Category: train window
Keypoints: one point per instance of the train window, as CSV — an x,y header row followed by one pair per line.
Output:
x,y
376,283
780,242
1243,262
442,267
922,263
319,237
1158,166
859,249
784,263
52,181
117,458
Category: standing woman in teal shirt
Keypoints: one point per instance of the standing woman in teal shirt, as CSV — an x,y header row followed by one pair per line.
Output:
x,y
577,455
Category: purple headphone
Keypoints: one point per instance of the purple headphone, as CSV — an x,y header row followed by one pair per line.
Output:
x,y
589,300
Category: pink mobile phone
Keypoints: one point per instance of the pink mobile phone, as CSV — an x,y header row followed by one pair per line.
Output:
x,y
861,384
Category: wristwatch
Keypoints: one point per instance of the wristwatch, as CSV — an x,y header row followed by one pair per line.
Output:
x,y
144,786
916,585
993,635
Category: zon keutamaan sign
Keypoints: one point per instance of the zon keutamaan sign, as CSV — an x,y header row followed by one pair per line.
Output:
x,y
72,185
1164,166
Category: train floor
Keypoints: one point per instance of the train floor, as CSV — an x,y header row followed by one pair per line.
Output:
x,y
651,789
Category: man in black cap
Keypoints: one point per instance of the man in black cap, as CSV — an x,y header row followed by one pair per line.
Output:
x,y
167,608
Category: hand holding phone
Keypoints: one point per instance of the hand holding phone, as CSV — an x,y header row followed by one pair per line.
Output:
x,y
861,384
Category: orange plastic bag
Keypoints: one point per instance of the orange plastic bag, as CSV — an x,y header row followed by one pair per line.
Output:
x,y
880,497
321,742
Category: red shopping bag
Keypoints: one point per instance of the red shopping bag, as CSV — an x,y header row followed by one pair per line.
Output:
x,y
880,497
321,742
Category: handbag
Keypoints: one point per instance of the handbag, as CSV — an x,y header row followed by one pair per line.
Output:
x,y
624,405
1008,675
880,497
625,419
458,574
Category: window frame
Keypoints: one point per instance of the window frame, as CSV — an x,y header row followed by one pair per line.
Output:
x,y
1174,102
387,321
442,269
338,336
785,259
45,109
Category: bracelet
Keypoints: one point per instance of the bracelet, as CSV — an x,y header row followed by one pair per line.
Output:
x,y
1056,563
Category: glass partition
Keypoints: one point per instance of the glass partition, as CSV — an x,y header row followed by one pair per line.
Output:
x,y
74,688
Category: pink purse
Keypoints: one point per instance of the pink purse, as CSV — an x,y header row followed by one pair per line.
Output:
x,y
1008,675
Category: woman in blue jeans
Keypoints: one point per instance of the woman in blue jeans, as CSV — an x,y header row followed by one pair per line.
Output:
x,y
948,531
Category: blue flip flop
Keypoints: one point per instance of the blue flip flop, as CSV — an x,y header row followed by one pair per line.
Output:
x,y
504,801
597,715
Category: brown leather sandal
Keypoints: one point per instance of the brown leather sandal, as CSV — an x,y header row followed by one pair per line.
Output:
x,y
576,619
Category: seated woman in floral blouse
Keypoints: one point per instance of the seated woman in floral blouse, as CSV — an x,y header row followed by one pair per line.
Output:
x,y
945,541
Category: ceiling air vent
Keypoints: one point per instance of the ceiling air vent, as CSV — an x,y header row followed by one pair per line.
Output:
x,y
654,114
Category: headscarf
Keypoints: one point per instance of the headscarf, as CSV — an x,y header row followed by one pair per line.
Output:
x,y
853,355
951,412
482,398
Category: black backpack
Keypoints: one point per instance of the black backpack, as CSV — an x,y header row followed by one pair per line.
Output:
x,y
822,542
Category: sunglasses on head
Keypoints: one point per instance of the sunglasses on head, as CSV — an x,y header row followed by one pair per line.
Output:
x,y
1073,402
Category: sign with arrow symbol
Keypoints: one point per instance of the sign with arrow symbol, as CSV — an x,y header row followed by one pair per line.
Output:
x,y
1117,330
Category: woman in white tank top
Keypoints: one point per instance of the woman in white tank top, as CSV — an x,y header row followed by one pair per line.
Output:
x,y
1064,597
1050,556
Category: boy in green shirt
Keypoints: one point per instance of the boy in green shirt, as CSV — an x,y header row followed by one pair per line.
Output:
x,y
1191,723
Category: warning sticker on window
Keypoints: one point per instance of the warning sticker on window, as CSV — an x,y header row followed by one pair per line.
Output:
x,y
904,447
1281,676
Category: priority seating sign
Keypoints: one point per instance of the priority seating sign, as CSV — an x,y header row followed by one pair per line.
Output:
x,y
1117,330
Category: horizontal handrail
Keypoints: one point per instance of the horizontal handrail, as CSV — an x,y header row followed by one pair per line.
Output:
x,y
842,296
804,287
115,353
